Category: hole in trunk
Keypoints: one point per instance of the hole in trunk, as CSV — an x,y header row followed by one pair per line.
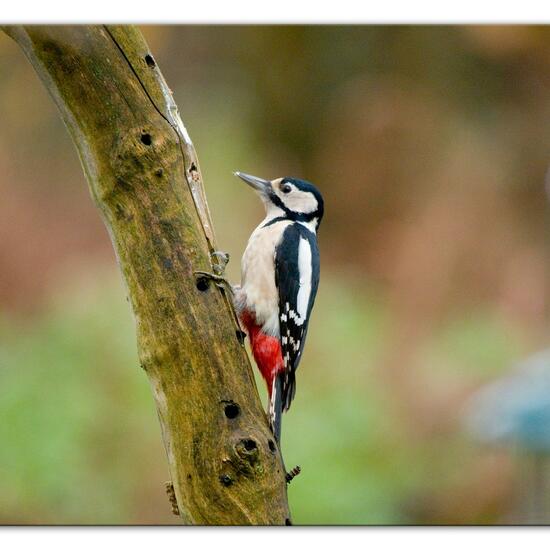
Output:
x,y
249,444
202,284
232,410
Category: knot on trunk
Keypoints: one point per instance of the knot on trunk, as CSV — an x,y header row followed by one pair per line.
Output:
x,y
138,157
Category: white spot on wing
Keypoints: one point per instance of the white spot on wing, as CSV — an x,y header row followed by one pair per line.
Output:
x,y
304,269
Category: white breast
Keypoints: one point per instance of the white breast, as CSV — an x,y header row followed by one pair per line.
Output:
x,y
258,275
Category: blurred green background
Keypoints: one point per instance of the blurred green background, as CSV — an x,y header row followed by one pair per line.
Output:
x,y
430,145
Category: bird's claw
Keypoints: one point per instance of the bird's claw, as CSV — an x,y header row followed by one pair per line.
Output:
x,y
218,280
219,261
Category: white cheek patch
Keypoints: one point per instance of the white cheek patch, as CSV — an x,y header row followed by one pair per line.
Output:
x,y
299,201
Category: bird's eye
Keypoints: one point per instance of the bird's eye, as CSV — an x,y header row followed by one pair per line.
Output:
x,y
286,188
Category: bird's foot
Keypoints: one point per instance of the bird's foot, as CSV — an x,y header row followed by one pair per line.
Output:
x,y
220,259
292,474
172,497
219,281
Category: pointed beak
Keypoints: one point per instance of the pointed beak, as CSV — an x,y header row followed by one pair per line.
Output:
x,y
258,184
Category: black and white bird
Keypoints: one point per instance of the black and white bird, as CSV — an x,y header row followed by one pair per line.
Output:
x,y
279,281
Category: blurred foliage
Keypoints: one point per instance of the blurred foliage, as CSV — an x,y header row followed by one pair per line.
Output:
x,y
80,437
430,145
81,441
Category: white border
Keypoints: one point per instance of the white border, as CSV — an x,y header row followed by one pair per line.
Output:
x,y
280,11
275,538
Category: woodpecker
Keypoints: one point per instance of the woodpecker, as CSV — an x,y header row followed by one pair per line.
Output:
x,y
279,281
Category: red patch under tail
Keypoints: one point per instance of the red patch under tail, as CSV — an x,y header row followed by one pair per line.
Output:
x,y
266,350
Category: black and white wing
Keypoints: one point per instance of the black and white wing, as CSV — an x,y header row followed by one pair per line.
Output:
x,y
297,279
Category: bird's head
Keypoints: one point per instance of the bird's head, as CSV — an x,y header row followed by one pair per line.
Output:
x,y
291,198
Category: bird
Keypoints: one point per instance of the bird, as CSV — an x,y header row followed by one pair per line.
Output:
x,y
280,271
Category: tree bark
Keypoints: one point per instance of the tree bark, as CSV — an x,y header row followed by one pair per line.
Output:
x,y
145,178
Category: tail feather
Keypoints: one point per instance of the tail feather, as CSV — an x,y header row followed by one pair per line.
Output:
x,y
276,406
289,390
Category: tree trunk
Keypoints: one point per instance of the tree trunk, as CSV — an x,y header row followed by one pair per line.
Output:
x,y
144,176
